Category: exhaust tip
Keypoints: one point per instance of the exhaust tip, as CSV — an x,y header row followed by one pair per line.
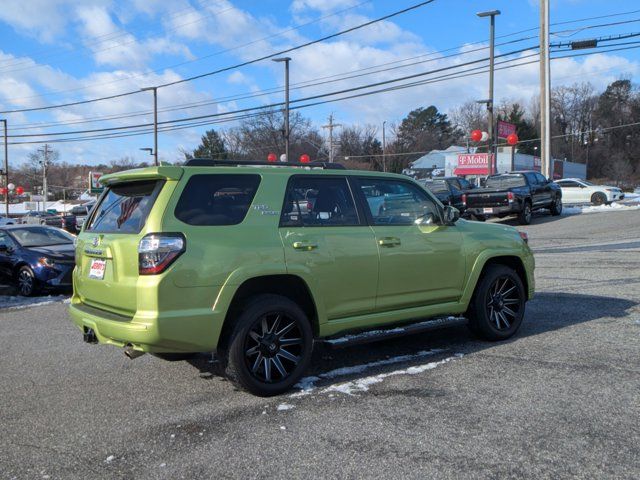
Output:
x,y
132,353
89,336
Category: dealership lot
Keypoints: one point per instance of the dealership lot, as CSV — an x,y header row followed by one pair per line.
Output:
x,y
560,399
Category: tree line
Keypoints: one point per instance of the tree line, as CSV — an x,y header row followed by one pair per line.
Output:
x,y
599,129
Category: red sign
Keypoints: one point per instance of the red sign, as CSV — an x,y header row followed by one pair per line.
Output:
x,y
472,164
505,129
558,170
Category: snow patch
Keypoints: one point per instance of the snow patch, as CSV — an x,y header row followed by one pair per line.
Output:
x,y
307,385
284,406
10,302
110,459
614,207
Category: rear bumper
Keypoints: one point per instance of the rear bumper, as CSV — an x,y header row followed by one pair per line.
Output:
x,y
494,211
185,331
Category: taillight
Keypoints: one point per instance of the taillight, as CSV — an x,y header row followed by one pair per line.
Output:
x,y
524,237
157,251
464,199
510,196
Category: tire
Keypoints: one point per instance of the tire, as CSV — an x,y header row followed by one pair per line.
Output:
x,y
499,288
556,206
26,282
479,218
256,360
598,198
524,217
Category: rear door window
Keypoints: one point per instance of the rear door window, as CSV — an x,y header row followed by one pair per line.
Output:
x,y
124,208
216,199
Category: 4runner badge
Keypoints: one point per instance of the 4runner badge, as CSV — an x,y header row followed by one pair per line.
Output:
x,y
96,241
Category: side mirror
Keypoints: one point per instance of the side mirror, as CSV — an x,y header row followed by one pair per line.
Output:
x,y
451,215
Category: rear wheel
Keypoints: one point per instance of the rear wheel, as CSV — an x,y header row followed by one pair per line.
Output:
x,y
556,206
598,198
270,347
524,217
497,308
26,281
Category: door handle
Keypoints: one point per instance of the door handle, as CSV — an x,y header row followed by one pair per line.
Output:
x,y
308,246
389,242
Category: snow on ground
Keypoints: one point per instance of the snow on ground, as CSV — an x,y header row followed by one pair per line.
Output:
x,y
10,302
307,385
614,207
284,406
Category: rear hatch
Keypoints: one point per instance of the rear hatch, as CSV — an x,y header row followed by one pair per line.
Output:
x,y
481,198
107,252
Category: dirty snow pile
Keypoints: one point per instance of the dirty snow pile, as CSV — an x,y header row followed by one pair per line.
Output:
x,y
614,207
10,302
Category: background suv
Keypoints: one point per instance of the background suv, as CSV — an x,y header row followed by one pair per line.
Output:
x,y
229,258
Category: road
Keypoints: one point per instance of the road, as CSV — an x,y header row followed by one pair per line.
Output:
x,y
560,400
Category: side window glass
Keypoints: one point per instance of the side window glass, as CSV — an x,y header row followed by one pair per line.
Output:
x,y
393,202
541,180
531,178
5,240
568,184
318,202
215,199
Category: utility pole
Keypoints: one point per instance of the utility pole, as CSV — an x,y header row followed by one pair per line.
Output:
x,y
155,122
45,164
331,126
384,148
545,91
491,130
6,169
287,131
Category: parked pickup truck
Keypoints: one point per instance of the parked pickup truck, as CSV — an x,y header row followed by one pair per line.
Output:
x,y
514,193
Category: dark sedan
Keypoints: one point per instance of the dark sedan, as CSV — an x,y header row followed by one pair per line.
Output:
x,y
447,194
36,257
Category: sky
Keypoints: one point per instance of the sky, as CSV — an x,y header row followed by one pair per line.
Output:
x,y
55,52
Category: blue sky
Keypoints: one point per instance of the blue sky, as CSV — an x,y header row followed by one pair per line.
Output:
x,y
61,51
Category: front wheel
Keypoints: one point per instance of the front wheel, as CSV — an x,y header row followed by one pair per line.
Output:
x,y
270,347
26,282
598,198
524,217
556,207
497,308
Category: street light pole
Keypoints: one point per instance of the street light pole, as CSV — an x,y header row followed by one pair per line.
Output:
x,y
492,40
286,61
6,168
545,91
155,121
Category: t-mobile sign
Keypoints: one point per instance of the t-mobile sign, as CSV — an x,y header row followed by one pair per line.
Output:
x,y
472,164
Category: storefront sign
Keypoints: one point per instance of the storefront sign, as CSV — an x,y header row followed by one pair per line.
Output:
x,y
505,129
472,164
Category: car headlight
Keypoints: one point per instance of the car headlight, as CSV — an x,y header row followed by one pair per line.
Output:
x,y
46,262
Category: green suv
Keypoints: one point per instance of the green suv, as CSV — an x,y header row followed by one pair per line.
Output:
x,y
256,262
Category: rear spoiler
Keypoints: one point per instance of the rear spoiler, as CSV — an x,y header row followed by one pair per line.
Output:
x,y
149,173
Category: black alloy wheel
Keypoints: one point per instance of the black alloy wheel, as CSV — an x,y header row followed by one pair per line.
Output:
x,y
598,198
497,308
524,217
26,281
503,302
556,206
270,347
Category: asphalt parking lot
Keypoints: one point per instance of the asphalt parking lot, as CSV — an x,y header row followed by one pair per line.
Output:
x,y
561,399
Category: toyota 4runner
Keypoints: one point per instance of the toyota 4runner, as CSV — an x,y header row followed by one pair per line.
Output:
x,y
256,262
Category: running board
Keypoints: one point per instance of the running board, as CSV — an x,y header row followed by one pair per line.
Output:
x,y
394,332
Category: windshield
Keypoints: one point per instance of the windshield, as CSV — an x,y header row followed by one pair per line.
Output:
x,y
41,236
506,181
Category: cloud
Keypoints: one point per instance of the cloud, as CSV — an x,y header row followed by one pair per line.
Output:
x,y
321,5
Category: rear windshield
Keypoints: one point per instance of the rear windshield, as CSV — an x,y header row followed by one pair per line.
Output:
x,y
506,181
438,187
124,208
216,199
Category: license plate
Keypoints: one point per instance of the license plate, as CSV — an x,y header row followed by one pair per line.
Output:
x,y
487,210
97,269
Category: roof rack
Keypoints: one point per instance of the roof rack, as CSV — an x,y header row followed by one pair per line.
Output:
x,y
209,162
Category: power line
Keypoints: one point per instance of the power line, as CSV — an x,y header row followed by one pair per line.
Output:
x,y
249,62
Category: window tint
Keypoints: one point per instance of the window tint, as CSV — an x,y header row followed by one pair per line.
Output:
x,y
394,202
532,178
5,240
507,180
318,202
214,199
124,208
568,184
540,178
464,184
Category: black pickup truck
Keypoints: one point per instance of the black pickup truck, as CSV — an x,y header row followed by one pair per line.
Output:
x,y
514,193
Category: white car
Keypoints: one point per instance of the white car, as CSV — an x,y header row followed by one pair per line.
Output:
x,y
6,221
575,190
